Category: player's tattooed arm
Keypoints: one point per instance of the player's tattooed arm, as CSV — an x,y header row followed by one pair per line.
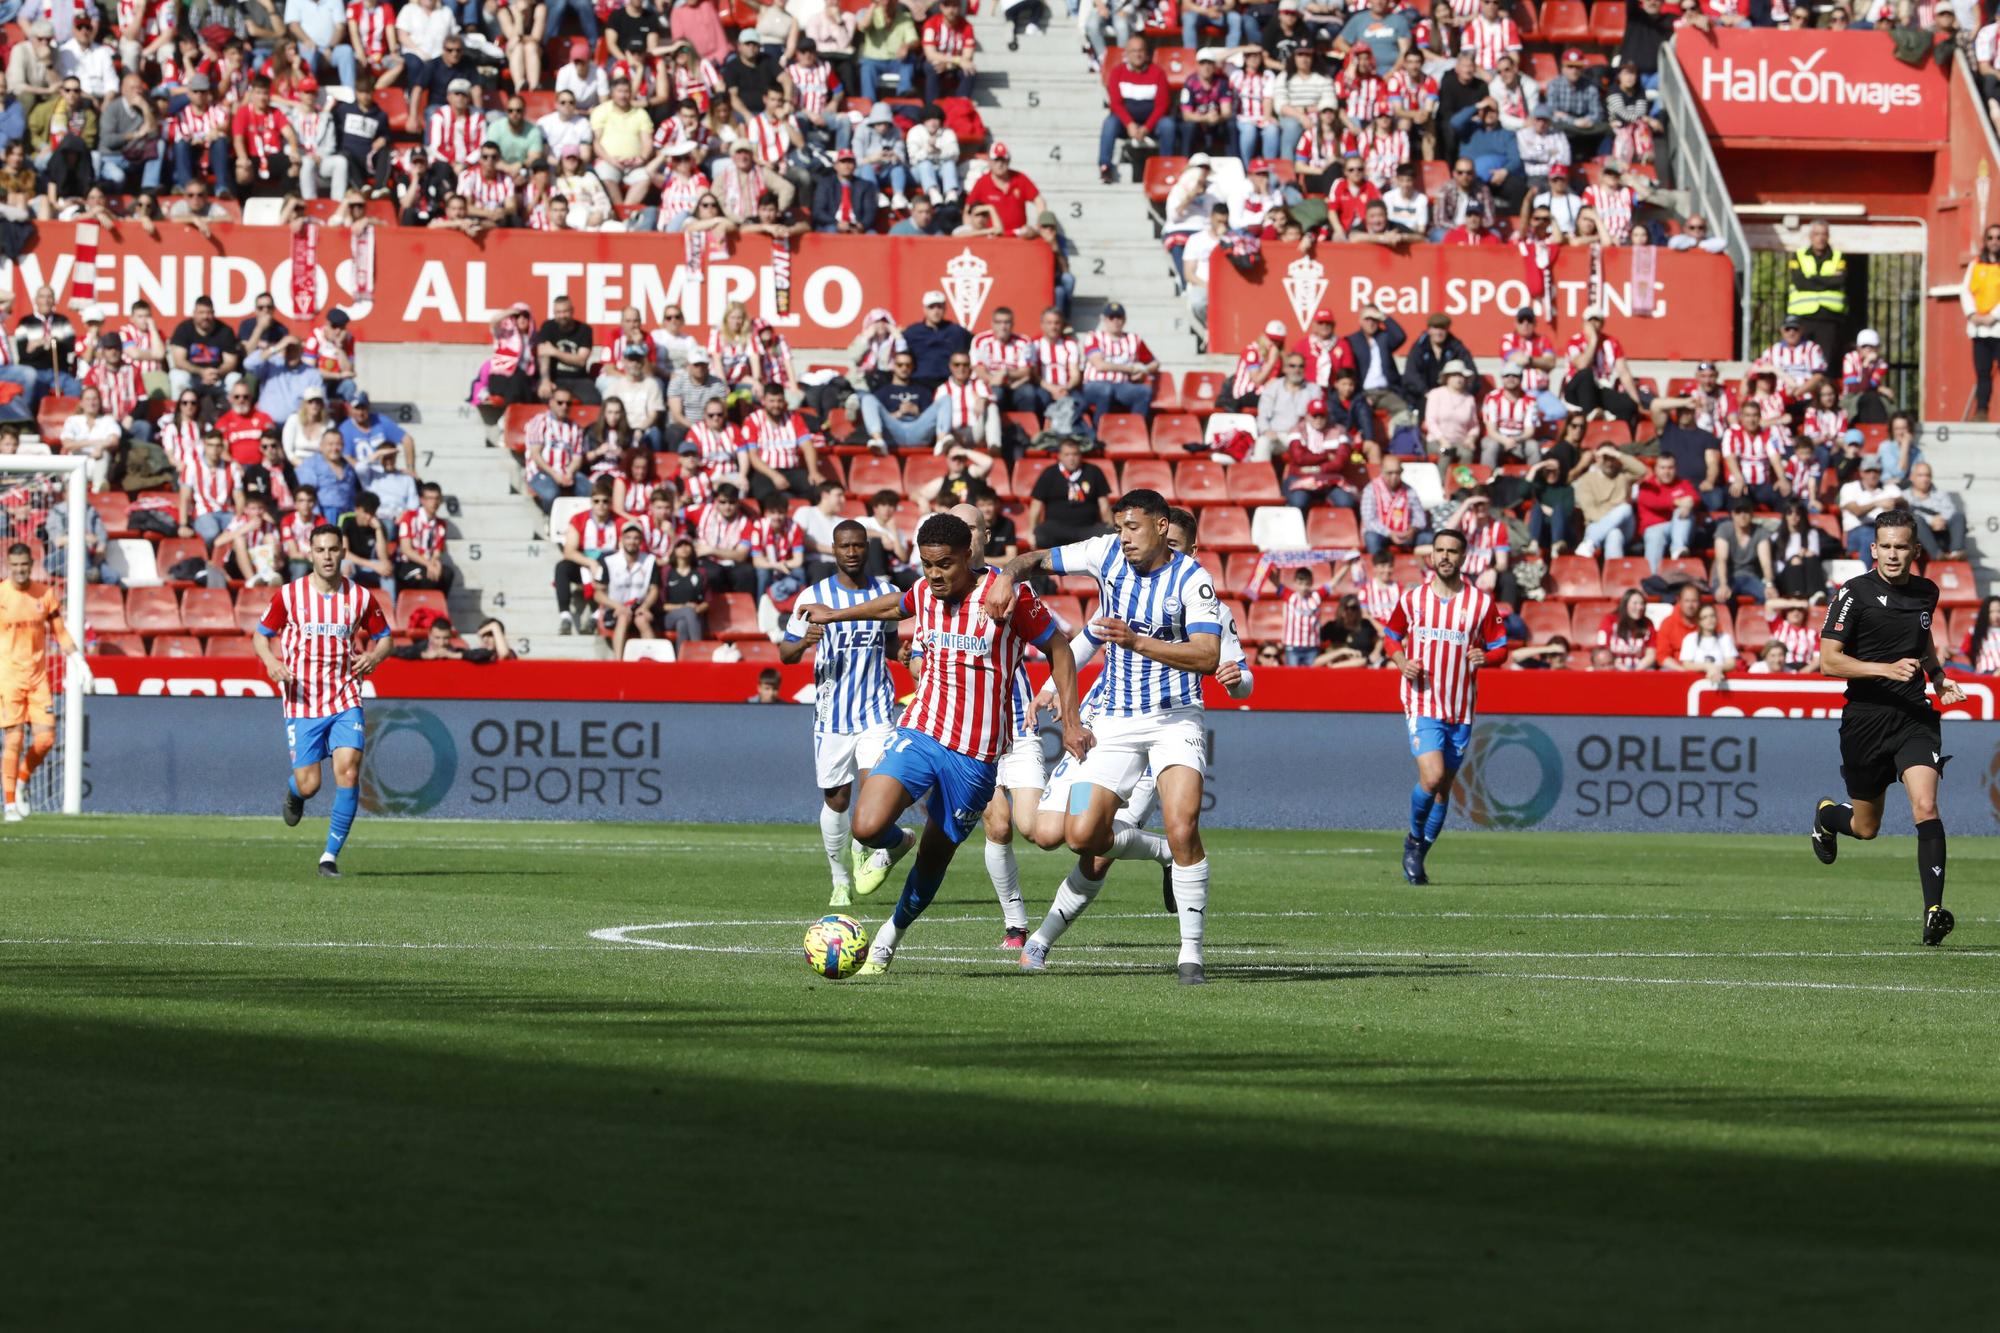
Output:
x,y
1000,594
889,606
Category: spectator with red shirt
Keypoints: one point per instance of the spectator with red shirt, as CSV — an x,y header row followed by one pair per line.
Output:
x,y
1472,231
243,425
1325,350
1316,459
1009,193
948,46
1628,634
1682,621
1666,503
1350,196
262,144
1140,99
1862,372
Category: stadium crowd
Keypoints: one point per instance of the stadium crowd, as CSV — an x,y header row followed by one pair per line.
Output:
x,y
692,483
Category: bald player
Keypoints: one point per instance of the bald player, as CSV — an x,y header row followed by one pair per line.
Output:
x,y
30,615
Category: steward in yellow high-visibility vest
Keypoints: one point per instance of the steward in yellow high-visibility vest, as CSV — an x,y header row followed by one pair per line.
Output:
x,y
1816,293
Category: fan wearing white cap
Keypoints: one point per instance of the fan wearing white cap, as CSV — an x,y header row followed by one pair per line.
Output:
x,y
1204,110
1862,372
1255,365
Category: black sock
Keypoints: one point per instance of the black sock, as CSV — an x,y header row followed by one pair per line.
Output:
x,y
1837,819
1930,861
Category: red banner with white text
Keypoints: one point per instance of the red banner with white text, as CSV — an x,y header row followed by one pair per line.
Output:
x,y
1693,296
1278,689
441,286
1845,88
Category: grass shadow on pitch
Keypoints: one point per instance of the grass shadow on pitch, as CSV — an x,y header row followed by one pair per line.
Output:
x,y
282,1178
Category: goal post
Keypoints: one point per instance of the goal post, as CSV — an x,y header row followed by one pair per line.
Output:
x,y
33,489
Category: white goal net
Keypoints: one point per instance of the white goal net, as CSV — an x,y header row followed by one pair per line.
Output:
x,y
43,507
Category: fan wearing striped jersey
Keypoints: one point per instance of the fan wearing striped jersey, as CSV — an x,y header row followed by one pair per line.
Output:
x,y
1439,636
854,700
313,623
1133,839
949,741
1161,625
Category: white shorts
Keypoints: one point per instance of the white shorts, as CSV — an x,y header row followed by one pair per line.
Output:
x,y
1138,808
1023,765
839,757
1129,747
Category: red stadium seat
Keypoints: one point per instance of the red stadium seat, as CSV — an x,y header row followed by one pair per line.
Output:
x,y
408,602
173,550
1000,479
1266,623
49,420
1627,572
104,609
1077,585
1123,435
1201,481
120,645
514,425
231,645
1160,175
1200,389
251,604
176,645
1575,576
1254,484
1607,22
1408,571
1210,561
1564,22
1753,630
1026,472
921,470
1956,586
1584,620
1067,609
1148,474
116,511
761,652
1174,431
1599,433
732,616
1686,566
154,611
207,611
873,473
1332,529
697,650
1177,61
1167,396
1239,569
1545,620
1226,528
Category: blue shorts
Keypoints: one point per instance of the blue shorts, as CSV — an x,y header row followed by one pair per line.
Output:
x,y
959,785
1448,738
312,739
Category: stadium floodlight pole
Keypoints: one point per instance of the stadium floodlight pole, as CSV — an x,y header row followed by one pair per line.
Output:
x,y
71,468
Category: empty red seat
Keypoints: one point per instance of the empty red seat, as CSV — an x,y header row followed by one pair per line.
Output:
x,y
1160,176
1585,618
1176,61
1153,474
1955,583
1067,609
1545,620
115,509
1564,21
1254,484
921,470
230,645
1266,623
1226,528
1173,432
153,611
1626,572
1753,630
1687,567
865,476
1332,529
207,611
1167,396
1607,22
119,645
1200,389
733,616
176,645
251,604
761,652
1123,435
173,550
1575,576
1200,481
1026,472
514,424
104,609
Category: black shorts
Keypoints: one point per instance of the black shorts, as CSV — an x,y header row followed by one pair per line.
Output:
x,y
1877,744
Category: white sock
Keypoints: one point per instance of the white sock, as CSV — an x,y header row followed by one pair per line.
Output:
x,y
1137,843
1006,875
884,938
1191,898
833,826
1075,894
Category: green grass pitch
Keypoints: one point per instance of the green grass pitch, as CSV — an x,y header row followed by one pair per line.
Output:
x,y
1578,1082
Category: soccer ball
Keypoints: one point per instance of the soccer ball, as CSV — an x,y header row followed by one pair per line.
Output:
x,y
836,946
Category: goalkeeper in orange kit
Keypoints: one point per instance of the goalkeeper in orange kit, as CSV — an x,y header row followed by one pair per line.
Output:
x,y
30,614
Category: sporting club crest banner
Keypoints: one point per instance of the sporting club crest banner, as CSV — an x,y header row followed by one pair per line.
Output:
x,y
1692,298
1844,88
419,285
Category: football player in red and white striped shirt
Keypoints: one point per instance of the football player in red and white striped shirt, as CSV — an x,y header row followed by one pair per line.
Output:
x,y
1511,418
965,408
1058,357
1753,456
554,450
950,739
208,490
778,449
315,622
1439,636
1797,361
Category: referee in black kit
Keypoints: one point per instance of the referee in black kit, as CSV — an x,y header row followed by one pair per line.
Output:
x,y
1877,637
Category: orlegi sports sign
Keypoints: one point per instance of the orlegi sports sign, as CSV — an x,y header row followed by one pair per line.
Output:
x,y
1842,87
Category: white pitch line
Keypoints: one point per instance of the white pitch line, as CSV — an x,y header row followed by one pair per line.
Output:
x,y
380,839
418,946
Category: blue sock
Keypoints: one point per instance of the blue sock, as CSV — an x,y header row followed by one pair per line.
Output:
x,y
918,890
1420,811
887,839
346,801
1434,825
293,783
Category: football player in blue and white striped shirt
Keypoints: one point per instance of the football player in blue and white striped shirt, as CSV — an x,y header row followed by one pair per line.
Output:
x,y
1132,840
1161,624
854,700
